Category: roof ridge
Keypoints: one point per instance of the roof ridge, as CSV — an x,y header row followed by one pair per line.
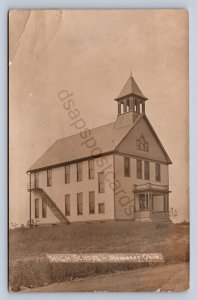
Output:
x,y
130,128
75,134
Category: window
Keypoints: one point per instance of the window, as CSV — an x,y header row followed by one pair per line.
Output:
x,y
67,174
36,208
91,168
101,208
49,177
139,169
126,166
146,147
79,171
91,202
143,202
146,170
80,204
36,179
44,208
101,183
157,172
142,144
67,205
166,203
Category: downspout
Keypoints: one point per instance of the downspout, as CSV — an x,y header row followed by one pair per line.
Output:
x,y
30,199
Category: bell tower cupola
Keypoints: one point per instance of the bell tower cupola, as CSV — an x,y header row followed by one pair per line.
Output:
x,y
131,98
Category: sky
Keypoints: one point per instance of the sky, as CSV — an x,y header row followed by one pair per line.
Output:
x,y
91,54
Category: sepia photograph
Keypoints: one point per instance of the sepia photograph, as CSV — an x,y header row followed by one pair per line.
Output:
x,y
98,150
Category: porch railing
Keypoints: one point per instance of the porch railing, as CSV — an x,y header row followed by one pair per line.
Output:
x,y
31,186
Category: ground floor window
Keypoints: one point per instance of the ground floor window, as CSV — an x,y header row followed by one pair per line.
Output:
x,y
80,204
36,208
44,208
143,202
91,202
101,208
67,205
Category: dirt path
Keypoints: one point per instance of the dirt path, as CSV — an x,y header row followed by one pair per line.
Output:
x,y
174,277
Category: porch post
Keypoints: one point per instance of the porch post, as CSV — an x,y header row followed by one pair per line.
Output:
x,y
124,105
134,202
119,108
151,202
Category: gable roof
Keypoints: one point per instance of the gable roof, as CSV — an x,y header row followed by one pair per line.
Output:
x,y
75,147
158,140
105,138
131,88
167,158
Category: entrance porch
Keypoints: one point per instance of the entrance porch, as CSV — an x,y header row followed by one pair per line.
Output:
x,y
151,202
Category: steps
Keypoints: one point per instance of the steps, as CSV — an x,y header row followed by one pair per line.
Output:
x,y
51,204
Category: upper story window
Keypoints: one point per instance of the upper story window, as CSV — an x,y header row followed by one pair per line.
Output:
x,y
91,202
142,144
139,168
49,177
80,203
67,205
146,170
36,179
79,171
126,166
101,182
157,172
67,174
91,168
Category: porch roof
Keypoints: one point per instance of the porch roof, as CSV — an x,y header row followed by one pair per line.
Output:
x,y
149,187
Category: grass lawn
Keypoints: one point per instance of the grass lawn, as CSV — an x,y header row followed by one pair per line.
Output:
x,y
28,247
